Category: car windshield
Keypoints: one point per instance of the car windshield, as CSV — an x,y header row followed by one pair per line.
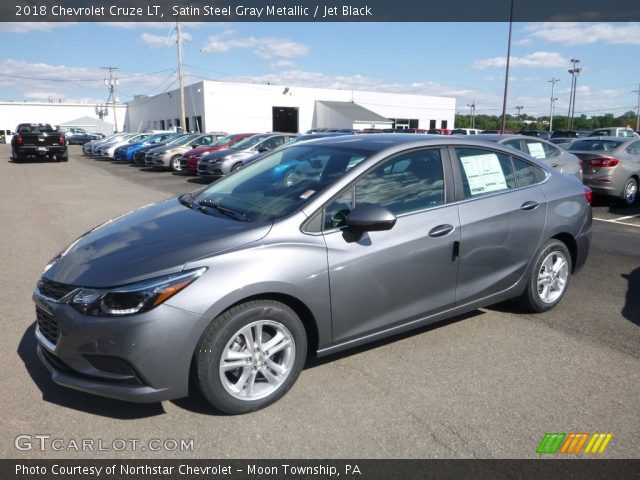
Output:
x,y
594,145
250,142
282,182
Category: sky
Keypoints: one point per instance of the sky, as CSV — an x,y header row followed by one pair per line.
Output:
x,y
63,61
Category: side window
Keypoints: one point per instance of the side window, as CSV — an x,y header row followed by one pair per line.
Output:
x,y
633,149
540,150
514,144
407,183
484,171
524,172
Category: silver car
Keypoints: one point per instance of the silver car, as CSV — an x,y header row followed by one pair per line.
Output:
x,y
169,155
544,150
611,166
223,162
373,235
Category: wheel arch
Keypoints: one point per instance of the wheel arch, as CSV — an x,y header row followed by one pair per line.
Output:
x,y
571,245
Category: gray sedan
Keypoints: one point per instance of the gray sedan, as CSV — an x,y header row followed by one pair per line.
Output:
x,y
169,156
544,150
223,162
234,285
611,166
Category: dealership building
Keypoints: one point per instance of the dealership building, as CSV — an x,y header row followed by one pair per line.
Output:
x,y
248,107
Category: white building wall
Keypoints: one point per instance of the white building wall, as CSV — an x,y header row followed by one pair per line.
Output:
x,y
238,107
13,113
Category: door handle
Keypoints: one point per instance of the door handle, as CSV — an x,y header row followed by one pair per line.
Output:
x,y
441,230
554,165
530,205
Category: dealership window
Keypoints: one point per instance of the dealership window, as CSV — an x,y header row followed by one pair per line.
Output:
x,y
432,124
444,124
162,125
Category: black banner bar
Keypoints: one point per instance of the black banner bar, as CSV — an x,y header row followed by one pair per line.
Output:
x,y
318,11
319,469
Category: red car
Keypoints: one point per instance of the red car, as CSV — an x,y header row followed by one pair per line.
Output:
x,y
189,161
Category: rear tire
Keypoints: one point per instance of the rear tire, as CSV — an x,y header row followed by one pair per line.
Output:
x,y
250,356
15,156
629,193
549,278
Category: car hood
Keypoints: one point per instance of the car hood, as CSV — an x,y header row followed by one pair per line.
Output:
x,y
166,148
151,241
202,151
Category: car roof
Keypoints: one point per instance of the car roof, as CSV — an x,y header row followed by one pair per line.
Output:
x,y
378,142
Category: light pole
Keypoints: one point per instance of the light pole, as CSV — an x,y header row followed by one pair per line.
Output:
x,y
472,106
506,75
519,108
575,71
638,109
553,82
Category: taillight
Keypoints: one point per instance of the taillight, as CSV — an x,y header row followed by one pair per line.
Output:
x,y
19,139
588,194
605,162
61,139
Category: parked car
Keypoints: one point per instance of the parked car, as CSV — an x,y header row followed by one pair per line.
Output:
x,y
562,142
79,136
168,156
611,166
38,140
124,153
465,131
93,148
545,135
140,155
233,285
189,160
543,150
614,132
566,134
108,150
439,131
223,162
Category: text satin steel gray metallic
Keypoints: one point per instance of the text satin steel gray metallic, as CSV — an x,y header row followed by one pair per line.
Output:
x,y
318,247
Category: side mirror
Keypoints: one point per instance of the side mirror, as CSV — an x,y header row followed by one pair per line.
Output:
x,y
263,149
370,217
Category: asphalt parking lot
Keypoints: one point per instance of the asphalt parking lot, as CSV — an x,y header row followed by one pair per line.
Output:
x,y
486,385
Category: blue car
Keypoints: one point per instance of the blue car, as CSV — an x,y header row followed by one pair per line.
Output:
x,y
125,152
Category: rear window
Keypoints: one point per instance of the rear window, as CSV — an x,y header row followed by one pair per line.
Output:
x,y
594,145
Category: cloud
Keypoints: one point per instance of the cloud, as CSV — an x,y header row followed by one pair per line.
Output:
x,y
28,27
160,41
266,47
283,64
573,33
533,60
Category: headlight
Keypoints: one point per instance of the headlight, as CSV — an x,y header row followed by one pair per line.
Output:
x,y
134,298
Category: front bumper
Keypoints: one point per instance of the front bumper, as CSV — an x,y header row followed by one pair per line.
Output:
x,y
138,358
156,161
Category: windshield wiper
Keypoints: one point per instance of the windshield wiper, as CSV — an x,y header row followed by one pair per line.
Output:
x,y
227,211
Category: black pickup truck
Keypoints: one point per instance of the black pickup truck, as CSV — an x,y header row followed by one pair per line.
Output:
x,y
38,140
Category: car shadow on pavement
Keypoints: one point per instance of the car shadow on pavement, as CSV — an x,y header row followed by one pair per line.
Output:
x,y
196,403
631,309
69,398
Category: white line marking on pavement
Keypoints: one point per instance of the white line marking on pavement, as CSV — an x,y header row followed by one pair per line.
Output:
x,y
617,222
629,216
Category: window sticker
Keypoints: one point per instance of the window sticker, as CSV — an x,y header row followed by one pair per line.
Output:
x,y
484,173
536,150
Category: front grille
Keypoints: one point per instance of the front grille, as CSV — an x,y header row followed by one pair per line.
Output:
x,y
116,365
54,290
47,325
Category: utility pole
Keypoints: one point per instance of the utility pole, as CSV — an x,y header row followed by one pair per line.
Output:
x,y
472,106
638,109
183,123
111,82
519,108
553,82
506,74
575,71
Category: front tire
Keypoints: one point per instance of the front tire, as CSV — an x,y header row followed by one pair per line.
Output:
x,y
250,356
549,278
174,164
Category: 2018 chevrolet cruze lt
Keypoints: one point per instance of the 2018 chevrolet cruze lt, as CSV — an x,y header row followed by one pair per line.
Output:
x,y
316,248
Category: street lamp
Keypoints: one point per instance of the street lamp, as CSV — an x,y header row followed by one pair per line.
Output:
x,y
472,106
575,71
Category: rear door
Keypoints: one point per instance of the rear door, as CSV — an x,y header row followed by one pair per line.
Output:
x,y
502,215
